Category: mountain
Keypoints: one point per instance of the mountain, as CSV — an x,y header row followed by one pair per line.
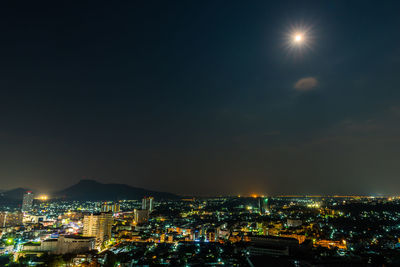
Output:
x,y
16,194
12,197
93,190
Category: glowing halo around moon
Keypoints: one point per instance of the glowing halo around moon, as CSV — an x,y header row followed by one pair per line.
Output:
x,y
298,39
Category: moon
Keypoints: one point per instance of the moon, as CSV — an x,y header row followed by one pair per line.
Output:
x,y
298,38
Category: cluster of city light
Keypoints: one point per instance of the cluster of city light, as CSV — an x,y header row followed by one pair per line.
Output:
x,y
43,197
284,221
314,205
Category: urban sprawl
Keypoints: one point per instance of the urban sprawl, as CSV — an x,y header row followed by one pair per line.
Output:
x,y
230,231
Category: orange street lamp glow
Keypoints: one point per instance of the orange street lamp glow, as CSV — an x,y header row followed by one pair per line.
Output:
x,y
43,197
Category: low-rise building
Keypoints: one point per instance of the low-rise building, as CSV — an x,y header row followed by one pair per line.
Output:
x,y
61,245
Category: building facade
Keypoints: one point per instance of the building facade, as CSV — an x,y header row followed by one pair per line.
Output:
x,y
27,201
110,206
98,226
10,218
141,216
62,245
148,203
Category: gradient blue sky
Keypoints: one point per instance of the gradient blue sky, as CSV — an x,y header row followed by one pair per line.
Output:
x,y
200,97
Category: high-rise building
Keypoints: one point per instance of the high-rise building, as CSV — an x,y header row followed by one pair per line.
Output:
x,y
110,206
98,226
262,204
148,203
141,216
27,201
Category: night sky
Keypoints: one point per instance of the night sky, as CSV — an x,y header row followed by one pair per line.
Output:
x,y
201,97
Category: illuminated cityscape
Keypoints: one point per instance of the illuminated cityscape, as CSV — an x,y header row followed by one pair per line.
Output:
x,y
197,231
200,133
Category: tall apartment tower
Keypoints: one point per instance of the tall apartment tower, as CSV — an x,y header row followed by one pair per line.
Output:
x,y
27,201
98,226
110,206
148,203
262,204
141,216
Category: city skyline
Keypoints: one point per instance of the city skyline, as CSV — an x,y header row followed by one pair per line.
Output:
x,y
57,194
202,98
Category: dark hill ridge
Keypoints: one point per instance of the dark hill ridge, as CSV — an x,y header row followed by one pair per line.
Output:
x,y
93,190
12,197
16,194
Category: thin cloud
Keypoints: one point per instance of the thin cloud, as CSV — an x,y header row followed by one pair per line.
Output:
x,y
306,84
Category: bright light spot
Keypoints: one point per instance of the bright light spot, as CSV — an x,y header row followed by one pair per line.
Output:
x,y
298,38
43,197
